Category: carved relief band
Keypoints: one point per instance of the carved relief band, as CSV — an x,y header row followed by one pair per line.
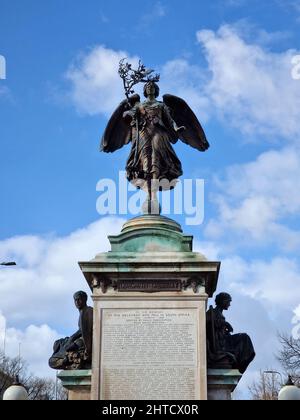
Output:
x,y
149,285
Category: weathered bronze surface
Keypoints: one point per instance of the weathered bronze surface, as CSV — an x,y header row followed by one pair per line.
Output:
x,y
152,127
224,350
75,352
149,286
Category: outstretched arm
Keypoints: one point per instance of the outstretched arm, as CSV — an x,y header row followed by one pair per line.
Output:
x,y
193,133
170,120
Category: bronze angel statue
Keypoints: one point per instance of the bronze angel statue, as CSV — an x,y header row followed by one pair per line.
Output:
x,y
152,127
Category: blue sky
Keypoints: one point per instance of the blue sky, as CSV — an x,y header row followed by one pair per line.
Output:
x,y
231,60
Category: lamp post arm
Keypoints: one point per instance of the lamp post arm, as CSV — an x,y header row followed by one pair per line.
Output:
x,y
8,264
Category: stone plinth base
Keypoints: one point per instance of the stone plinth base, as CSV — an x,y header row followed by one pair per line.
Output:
x,y
149,347
150,295
77,382
221,383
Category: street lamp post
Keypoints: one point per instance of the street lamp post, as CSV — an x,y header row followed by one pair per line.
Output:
x,y
274,391
16,391
274,372
8,264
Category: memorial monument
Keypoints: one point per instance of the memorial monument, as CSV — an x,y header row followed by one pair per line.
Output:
x,y
150,290
152,127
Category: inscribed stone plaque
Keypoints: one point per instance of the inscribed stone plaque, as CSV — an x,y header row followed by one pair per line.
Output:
x,y
149,354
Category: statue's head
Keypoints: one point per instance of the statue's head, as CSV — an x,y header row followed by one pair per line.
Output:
x,y
150,87
223,300
80,299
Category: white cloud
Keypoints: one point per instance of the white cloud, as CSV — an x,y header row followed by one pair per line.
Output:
x,y
158,11
36,296
296,323
96,87
27,250
248,86
34,344
40,288
251,87
291,6
274,283
6,94
297,311
182,79
234,3
256,198
3,90
104,18
209,249
244,84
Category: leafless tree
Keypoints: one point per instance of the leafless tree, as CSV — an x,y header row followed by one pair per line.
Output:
x,y
9,369
289,355
38,388
266,387
269,382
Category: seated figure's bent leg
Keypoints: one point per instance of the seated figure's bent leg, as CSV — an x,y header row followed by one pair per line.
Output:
x,y
76,345
241,346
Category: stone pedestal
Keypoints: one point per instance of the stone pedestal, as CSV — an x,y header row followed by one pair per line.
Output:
x,y
150,294
149,347
77,382
221,383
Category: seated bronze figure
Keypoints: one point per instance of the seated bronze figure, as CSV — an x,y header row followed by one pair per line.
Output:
x,y
75,352
224,349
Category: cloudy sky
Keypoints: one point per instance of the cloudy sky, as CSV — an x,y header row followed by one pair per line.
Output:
x,y
233,61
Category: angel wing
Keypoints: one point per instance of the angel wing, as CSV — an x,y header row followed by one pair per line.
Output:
x,y
182,114
117,132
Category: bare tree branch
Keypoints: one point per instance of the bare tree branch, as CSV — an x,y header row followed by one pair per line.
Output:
x,y
37,388
289,355
266,387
